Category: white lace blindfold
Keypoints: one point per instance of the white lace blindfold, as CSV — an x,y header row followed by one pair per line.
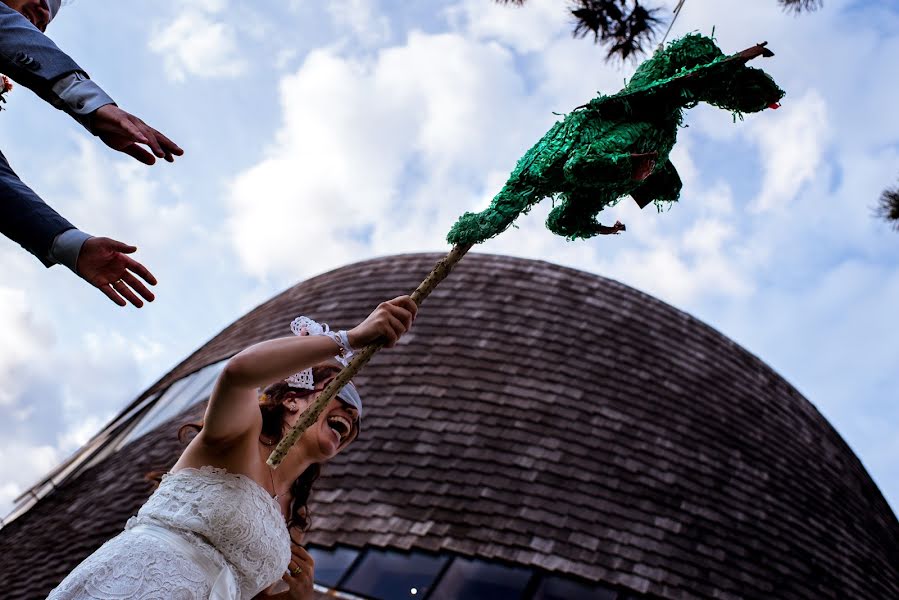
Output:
x,y
304,379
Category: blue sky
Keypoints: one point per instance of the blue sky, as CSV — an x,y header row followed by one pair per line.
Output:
x,y
322,133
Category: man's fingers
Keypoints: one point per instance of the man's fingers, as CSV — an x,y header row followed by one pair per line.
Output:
x,y
112,295
120,246
152,142
131,130
141,270
135,151
168,145
123,132
137,286
122,288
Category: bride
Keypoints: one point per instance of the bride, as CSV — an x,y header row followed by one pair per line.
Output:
x,y
215,527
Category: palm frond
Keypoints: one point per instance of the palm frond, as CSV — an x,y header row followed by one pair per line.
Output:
x,y
798,6
888,206
625,29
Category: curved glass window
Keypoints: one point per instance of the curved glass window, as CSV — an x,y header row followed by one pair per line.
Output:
x,y
181,395
470,579
330,565
381,574
384,574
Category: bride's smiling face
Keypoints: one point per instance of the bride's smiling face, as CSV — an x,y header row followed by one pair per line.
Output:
x,y
335,429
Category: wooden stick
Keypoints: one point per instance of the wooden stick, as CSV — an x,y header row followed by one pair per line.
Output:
x,y
311,414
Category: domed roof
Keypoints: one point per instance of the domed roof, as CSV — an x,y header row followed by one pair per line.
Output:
x,y
547,417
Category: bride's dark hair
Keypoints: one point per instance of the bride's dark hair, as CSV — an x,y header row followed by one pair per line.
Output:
x,y
272,408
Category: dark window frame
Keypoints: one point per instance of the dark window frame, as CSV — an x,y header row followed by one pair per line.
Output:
x,y
536,578
373,550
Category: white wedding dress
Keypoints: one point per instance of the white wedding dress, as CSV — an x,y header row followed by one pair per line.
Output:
x,y
204,533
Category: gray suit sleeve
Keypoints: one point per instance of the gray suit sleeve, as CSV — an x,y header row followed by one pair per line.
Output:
x,y
27,220
33,60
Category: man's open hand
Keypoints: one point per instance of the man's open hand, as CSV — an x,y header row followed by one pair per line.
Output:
x,y
124,132
103,263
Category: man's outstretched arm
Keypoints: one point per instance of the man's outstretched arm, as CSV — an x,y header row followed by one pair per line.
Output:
x,y
28,221
33,60
102,262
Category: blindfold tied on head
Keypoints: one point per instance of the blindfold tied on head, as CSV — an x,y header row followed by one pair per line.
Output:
x,y
349,395
303,326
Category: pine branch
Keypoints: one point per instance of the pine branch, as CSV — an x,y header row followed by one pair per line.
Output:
x,y
888,207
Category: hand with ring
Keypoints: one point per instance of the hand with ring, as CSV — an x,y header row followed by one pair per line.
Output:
x,y
300,574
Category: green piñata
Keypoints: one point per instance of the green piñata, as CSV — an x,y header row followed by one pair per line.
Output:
x,y
618,145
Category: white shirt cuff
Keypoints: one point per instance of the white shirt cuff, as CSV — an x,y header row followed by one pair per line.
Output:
x,y
67,246
81,95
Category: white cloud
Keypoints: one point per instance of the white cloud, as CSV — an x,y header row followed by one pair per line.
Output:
x,y
209,6
791,143
352,131
199,43
152,213
528,28
19,464
24,341
361,20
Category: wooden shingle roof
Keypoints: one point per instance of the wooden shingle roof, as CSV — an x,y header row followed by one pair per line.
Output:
x,y
548,417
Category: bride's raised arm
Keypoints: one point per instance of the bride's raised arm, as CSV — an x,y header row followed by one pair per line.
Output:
x,y
233,409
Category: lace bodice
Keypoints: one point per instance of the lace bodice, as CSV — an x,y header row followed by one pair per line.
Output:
x,y
203,533
232,514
